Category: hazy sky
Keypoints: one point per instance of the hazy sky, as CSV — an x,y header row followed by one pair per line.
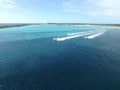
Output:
x,y
82,11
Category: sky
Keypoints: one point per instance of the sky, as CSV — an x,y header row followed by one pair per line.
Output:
x,y
60,11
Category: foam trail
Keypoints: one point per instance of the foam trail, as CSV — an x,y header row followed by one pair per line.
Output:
x,y
72,36
94,35
80,33
75,33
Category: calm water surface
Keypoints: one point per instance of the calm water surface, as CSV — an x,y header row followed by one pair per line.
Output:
x,y
31,60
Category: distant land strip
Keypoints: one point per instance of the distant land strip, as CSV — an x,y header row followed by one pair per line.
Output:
x,y
12,25
118,25
9,25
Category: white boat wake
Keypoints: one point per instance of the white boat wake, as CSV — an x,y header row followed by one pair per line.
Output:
x,y
94,35
67,37
87,34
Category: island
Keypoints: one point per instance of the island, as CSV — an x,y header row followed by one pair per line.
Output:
x,y
9,25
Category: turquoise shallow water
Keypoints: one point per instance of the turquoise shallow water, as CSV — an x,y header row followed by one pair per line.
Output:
x,y
30,58
40,31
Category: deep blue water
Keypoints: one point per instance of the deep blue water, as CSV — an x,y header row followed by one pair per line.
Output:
x,y
31,60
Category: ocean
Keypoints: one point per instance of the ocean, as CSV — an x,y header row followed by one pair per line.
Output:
x,y
60,57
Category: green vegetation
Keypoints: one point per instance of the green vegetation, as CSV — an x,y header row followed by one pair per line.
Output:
x,y
118,25
10,26
20,25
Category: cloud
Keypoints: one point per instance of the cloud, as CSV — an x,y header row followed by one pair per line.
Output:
x,y
7,3
93,7
13,4
108,7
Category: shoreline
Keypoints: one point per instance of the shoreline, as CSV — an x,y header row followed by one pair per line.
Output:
x,y
12,25
116,26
